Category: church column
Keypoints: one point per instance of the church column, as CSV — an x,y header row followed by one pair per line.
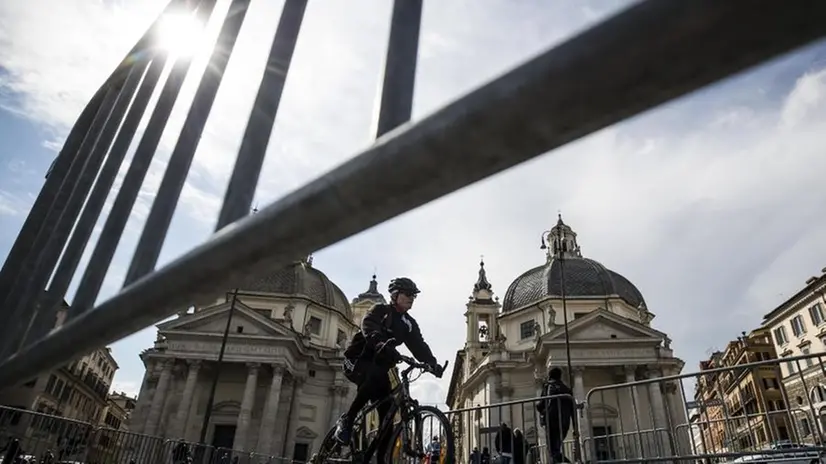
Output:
x,y
340,403
660,421
247,403
266,435
579,394
136,419
289,440
159,397
186,398
630,420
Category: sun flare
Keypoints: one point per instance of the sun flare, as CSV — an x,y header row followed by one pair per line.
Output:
x,y
179,34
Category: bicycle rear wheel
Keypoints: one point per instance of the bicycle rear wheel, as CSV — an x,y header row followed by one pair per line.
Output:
x,y
332,452
411,437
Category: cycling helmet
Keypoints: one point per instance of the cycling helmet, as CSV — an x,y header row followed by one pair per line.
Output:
x,y
403,285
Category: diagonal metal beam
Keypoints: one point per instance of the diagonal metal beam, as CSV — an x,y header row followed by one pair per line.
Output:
x,y
650,53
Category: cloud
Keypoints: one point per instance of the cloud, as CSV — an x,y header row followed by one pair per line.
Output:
x,y
710,204
10,203
128,387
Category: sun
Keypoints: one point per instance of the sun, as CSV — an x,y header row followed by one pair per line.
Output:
x,y
179,34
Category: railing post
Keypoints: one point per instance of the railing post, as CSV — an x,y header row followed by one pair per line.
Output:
x,y
399,76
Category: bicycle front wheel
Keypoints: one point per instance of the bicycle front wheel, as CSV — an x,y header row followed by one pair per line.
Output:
x,y
410,438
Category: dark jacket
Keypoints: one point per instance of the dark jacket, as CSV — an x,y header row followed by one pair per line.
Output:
x,y
556,412
519,449
503,443
381,323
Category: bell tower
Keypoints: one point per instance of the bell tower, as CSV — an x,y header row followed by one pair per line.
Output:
x,y
480,318
362,303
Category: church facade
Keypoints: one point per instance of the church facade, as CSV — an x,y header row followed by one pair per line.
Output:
x,y
280,386
510,345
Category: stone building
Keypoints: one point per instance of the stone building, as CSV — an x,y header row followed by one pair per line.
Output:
x,y
119,407
741,409
798,328
510,346
76,391
280,385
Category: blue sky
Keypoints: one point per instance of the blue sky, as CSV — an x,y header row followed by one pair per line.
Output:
x,y
712,205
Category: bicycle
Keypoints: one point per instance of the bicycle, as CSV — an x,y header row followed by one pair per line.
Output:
x,y
404,438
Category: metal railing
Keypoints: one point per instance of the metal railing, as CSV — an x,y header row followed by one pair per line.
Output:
x,y
515,430
649,419
41,437
646,55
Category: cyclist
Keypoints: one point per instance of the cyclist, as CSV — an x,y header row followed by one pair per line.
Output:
x,y
434,450
372,353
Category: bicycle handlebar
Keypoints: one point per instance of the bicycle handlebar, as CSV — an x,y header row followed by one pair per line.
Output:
x,y
413,364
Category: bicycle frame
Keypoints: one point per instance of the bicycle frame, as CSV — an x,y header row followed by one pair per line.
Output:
x,y
401,402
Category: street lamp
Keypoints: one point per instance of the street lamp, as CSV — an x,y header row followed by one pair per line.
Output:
x,y
558,250
224,339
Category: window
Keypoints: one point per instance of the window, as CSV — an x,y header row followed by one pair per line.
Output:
x,y
526,329
780,336
805,430
578,315
769,383
818,394
816,313
314,325
798,326
240,329
806,351
791,366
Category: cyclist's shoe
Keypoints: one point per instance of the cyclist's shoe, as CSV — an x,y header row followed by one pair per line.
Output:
x,y
343,430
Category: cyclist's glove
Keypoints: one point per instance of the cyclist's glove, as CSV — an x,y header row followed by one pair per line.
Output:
x,y
387,349
437,370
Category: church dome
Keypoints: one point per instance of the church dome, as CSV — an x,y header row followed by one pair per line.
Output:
x,y
584,278
301,278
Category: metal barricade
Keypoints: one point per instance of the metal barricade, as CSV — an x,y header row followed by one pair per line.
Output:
x,y
481,430
746,412
124,447
38,434
183,452
654,52
231,456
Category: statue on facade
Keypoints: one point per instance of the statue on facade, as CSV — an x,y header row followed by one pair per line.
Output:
x,y
288,314
537,331
306,333
342,340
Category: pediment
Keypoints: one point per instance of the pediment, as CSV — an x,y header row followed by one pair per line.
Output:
x,y
214,320
305,432
604,325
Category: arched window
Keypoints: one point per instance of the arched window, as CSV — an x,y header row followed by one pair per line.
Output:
x,y
818,394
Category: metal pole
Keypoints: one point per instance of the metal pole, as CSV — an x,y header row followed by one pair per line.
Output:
x,y
399,79
208,413
575,423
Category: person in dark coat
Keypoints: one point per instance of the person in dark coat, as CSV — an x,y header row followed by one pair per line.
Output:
x,y
371,354
475,457
519,449
503,443
556,413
